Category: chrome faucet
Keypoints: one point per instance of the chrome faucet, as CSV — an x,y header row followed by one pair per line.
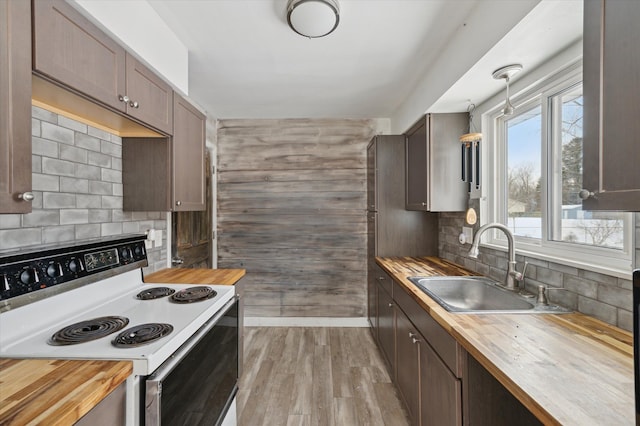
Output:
x,y
513,275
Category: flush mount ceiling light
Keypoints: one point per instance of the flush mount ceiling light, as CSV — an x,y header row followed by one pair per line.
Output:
x,y
505,73
313,18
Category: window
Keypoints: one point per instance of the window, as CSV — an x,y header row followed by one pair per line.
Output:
x,y
536,168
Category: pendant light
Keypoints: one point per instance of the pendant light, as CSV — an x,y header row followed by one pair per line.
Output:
x,y
313,18
505,73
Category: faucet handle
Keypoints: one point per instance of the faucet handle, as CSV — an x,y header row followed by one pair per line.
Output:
x,y
519,276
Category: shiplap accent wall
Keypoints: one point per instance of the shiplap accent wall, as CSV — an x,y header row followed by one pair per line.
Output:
x,y
291,211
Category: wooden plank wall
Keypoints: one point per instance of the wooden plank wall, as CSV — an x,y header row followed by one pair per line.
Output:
x,y
291,211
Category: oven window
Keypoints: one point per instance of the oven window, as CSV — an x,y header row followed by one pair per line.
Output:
x,y
199,388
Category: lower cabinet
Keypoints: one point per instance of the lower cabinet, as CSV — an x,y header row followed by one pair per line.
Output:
x,y
439,382
432,394
386,328
408,361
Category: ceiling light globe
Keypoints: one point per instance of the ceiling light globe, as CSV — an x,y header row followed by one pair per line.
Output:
x,y
313,18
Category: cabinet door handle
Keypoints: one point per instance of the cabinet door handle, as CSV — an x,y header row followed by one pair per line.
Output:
x,y
414,340
26,196
391,305
381,278
134,104
423,204
412,334
123,98
585,194
178,203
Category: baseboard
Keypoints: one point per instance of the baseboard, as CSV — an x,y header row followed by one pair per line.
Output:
x,y
305,322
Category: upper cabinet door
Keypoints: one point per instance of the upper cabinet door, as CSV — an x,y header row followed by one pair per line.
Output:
x,y
433,164
15,106
188,156
71,50
611,107
150,99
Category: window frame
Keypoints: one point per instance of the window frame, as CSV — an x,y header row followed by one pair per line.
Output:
x,y
598,259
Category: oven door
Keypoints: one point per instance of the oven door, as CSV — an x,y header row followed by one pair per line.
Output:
x,y
198,383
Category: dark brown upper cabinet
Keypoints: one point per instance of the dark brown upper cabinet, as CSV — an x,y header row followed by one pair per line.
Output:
x,y
188,156
433,163
611,168
167,174
15,106
70,50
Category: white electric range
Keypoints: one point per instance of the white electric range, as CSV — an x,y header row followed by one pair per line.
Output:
x,y
95,291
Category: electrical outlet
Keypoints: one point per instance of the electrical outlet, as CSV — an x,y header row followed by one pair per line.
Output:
x,y
468,234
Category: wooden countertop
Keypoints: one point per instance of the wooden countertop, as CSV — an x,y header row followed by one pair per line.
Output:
x,y
196,276
566,369
55,392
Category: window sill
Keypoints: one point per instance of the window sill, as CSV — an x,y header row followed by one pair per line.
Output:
x,y
618,271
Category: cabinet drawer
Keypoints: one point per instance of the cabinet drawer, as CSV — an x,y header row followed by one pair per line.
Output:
x,y
384,280
445,346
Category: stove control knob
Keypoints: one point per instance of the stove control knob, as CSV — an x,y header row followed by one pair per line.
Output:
x,y
29,276
138,250
75,265
54,270
127,253
5,283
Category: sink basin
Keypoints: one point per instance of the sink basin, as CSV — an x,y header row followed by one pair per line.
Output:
x,y
470,294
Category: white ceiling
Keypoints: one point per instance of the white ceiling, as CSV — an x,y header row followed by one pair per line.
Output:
x,y
244,61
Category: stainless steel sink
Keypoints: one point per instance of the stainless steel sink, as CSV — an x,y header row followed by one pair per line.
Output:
x,y
470,294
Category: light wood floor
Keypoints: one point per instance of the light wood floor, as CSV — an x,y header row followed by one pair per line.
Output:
x,y
315,376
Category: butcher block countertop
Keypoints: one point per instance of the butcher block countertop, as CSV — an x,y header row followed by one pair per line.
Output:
x,y
55,392
196,276
567,369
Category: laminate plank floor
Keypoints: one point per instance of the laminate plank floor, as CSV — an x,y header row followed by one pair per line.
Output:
x,y
315,377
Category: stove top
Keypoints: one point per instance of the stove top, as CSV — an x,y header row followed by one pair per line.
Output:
x,y
26,333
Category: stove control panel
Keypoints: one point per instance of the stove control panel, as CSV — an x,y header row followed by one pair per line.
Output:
x,y
26,273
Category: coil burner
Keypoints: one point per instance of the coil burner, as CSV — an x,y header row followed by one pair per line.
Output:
x,y
86,331
193,294
155,293
141,335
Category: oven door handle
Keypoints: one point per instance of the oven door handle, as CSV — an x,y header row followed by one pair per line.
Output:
x,y
154,381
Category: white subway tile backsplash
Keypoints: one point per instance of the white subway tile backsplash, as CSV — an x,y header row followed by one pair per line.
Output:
x,y
606,313
111,202
44,147
42,114
72,201
87,142
56,234
52,166
111,148
72,124
84,232
21,237
100,188
41,218
99,133
109,175
74,216
99,159
88,172
112,228
72,153
8,221
86,201
54,200
99,215
42,182
56,133
78,186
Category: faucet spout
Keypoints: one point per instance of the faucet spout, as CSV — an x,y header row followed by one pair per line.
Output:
x,y
512,274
